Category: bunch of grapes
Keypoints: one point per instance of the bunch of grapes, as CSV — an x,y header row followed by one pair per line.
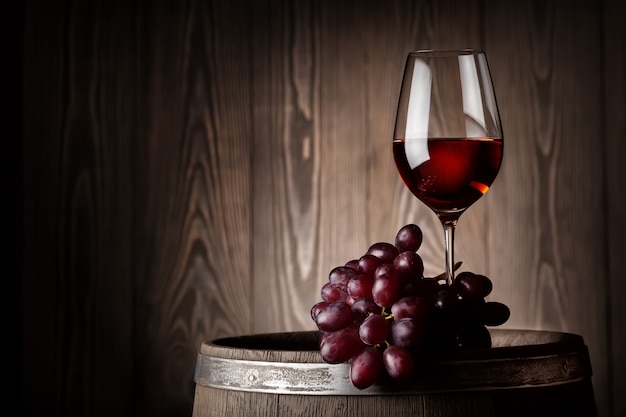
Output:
x,y
381,313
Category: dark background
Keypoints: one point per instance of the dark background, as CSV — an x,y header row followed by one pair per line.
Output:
x,y
181,171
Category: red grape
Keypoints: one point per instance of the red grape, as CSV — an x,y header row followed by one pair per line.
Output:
x,y
315,310
407,333
470,310
446,302
410,287
414,307
366,368
363,307
354,264
399,363
386,289
384,269
470,285
374,330
368,264
341,275
333,292
408,264
335,316
474,336
340,346
495,313
428,287
409,237
360,286
384,251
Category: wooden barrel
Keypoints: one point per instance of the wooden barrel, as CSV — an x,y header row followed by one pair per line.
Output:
x,y
525,373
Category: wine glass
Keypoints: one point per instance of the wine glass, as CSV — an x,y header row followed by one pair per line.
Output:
x,y
448,141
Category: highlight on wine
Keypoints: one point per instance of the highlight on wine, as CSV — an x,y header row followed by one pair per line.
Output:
x,y
380,313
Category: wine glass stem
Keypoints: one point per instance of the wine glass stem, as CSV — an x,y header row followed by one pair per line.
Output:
x,y
448,230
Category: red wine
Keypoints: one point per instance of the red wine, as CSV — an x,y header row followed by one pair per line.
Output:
x,y
448,174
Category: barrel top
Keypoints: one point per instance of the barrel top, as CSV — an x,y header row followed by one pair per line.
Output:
x,y
291,363
504,342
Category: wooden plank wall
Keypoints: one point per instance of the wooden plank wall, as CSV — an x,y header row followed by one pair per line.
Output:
x,y
194,169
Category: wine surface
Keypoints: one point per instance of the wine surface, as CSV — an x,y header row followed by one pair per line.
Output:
x,y
448,174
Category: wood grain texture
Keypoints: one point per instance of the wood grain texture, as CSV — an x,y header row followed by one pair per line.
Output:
x,y
547,241
216,403
286,164
324,110
193,170
193,217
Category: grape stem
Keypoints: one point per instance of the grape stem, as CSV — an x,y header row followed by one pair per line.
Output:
x,y
457,265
